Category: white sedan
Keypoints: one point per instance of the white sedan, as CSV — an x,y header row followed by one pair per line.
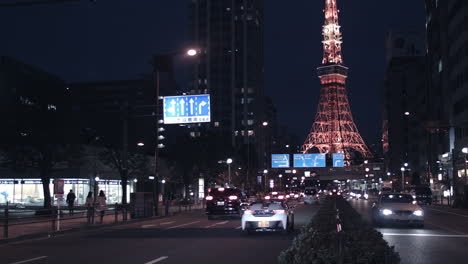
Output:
x,y
397,208
268,216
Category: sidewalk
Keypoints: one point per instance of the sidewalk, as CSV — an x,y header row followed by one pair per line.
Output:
x,y
46,226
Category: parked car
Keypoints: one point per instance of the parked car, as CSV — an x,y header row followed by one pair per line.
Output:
x,y
397,208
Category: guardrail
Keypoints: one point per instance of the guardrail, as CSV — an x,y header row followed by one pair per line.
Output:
x,y
22,222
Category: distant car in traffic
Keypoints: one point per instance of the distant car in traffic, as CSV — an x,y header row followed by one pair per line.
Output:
x,y
225,202
311,195
397,208
423,194
267,215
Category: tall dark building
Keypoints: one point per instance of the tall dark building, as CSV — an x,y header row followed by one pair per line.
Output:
x,y
229,35
404,107
34,105
447,53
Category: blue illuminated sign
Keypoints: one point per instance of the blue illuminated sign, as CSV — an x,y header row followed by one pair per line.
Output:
x,y
338,159
309,160
187,109
280,160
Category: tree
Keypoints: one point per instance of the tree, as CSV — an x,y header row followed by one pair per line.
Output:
x,y
135,166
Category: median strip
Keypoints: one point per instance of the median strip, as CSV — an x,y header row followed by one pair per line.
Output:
x,y
157,260
29,260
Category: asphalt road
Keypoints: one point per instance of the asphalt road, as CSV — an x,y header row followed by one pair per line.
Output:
x,y
185,238
444,238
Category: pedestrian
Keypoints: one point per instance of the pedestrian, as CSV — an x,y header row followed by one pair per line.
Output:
x,y
71,202
89,204
101,204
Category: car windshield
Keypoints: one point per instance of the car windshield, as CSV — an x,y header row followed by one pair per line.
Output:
x,y
396,198
423,190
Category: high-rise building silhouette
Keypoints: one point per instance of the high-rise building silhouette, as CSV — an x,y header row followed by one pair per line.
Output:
x,y
334,130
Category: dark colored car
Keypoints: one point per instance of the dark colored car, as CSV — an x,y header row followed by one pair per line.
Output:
x,y
423,195
225,202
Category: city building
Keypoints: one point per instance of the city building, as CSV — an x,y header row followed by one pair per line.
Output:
x,y
405,107
229,35
447,54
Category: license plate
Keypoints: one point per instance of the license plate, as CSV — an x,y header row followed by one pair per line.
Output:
x,y
220,203
264,224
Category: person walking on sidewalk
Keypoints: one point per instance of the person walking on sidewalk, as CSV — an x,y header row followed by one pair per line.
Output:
x,y
71,202
101,204
89,204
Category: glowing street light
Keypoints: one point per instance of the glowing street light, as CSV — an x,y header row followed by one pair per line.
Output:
x,y
265,123
405,164
140,144
465,150
407,113
192,52
229,161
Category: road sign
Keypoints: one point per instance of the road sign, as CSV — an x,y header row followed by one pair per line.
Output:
x,y
309,160
338,159
187,109
280,160
58,186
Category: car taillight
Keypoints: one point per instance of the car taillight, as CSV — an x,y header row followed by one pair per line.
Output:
x,y
280,197
278,211
248,212
296,196
209,198
221,189
233,197
287,196
267,197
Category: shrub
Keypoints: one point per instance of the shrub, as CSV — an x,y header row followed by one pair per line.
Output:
x,y
320,243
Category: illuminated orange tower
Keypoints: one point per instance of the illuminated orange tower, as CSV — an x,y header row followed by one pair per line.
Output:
x,y
333,130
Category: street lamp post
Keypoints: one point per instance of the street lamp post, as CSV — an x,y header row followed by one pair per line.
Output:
x,y
402,179
158,64
465,151
265,172
229,161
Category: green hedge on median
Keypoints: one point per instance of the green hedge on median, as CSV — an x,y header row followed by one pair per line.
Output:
x,y
318,242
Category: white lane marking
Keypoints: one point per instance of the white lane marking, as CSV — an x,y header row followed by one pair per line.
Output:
x,y
191,223
215,224
164,223
239,227
424,235
157,260
29,260
445,228
445,212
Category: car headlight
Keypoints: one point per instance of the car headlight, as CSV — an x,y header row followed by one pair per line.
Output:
x,y
366,196
387,212
418,212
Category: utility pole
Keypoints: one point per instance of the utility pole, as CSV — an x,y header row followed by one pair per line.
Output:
x,y
124,172
156,149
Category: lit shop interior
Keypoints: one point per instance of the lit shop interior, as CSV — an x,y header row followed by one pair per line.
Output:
x,y
29,192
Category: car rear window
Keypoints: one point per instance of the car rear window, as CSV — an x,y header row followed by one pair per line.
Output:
x,y
396,198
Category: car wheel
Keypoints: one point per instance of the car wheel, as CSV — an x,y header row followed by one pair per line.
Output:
x,y
246,232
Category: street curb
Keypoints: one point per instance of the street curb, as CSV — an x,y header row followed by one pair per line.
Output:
x,y
44,235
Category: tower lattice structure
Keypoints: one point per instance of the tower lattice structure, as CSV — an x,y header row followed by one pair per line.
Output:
x,y
333,130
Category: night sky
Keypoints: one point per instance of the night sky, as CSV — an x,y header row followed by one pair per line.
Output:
x,y
115,39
